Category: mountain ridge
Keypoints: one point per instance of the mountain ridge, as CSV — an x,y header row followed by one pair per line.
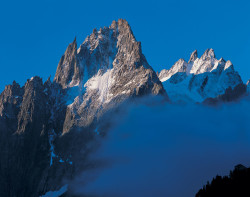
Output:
x,y
40,121
199,78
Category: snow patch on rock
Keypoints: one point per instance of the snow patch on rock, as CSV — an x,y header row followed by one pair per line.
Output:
x,y
101,84
57,193
200,78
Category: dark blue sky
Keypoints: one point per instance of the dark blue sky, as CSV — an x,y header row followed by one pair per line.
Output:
x,y
34,34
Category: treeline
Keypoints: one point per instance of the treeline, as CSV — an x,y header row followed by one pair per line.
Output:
x,y
237,184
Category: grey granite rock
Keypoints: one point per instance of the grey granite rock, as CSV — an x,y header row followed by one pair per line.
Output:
x,y
46,127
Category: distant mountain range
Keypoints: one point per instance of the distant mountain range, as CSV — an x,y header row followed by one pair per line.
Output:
x,y
200,78
45,126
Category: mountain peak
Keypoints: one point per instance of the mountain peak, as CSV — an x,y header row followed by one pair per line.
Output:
x,y
73,45
181,60
14,83
120,23
228,64
193,56
222,60
123,22
94,31
112,69
68,67
98,51
209,53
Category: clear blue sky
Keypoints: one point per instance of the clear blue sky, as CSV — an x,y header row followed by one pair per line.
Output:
x,y
34,34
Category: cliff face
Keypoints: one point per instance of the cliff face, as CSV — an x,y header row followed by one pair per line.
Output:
x,y
26,123
68,69
107,69
47,129
41,145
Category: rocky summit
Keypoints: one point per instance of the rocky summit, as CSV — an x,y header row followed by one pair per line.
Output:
x,y
199,78
107,69
46,127
40,146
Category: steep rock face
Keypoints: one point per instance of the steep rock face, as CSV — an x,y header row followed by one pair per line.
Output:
x,y
10,100
230,95
37,150
68,69
34,100
199,78
27,116
113,70
20,138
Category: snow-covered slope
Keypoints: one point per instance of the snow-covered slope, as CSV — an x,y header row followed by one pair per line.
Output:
x,y
199,78
39,149
105,70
